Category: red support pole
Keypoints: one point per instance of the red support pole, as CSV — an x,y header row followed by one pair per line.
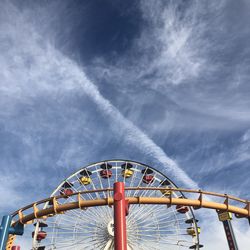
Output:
x,y
15,248
120,217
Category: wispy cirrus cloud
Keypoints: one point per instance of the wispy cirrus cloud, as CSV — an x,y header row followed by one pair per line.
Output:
x,y
193,54
47,103
196,47
174,35
178,87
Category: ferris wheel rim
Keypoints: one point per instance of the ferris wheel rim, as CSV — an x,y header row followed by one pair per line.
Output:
x,y
136,162
118,160
159,176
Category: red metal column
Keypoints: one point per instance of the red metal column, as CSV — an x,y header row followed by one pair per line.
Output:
x,y
120,217
231,240
226,218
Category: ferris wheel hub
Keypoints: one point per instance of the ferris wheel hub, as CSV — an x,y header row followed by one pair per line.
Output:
x,y
110,228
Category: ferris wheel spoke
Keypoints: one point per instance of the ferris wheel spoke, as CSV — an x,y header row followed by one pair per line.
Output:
x,y
175,241
69,230
107,212
150,184
169,217
116,171
148,221
157,233
94,213
75,241
84,189
83,231
94,188
67,242
145,211
109,185
139,185
99,240
91,232
131,184
57,228
91,217
167,233
100,182
142,207
88,218
100,244
150,195
89,195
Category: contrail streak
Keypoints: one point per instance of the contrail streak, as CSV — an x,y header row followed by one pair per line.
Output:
x,y
41,67
133,134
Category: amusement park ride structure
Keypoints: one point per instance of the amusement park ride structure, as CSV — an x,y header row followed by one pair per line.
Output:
x,y
121,205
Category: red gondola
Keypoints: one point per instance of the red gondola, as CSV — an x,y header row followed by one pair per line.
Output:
x,y
147,176
15,248
147,179
41,235
106,172
182,209
67,189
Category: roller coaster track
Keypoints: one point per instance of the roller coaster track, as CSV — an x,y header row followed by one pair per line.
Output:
x,y
239,207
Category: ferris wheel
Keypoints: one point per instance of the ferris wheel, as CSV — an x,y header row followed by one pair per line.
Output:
x,y
151,226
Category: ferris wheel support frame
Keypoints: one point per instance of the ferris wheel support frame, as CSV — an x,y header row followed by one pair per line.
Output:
x,y
197,203
20,218
225,218
120,217
231,240
6,229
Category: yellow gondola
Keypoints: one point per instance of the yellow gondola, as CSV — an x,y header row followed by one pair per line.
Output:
x,y
166,192
166,184
85,180
85,177
127,173
191,231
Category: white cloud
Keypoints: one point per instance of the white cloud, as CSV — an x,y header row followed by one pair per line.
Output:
x,y
32,68
174,35
9,189
187,50
188,53
226,158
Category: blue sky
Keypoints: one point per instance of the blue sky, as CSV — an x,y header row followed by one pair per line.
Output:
x,y
161,82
